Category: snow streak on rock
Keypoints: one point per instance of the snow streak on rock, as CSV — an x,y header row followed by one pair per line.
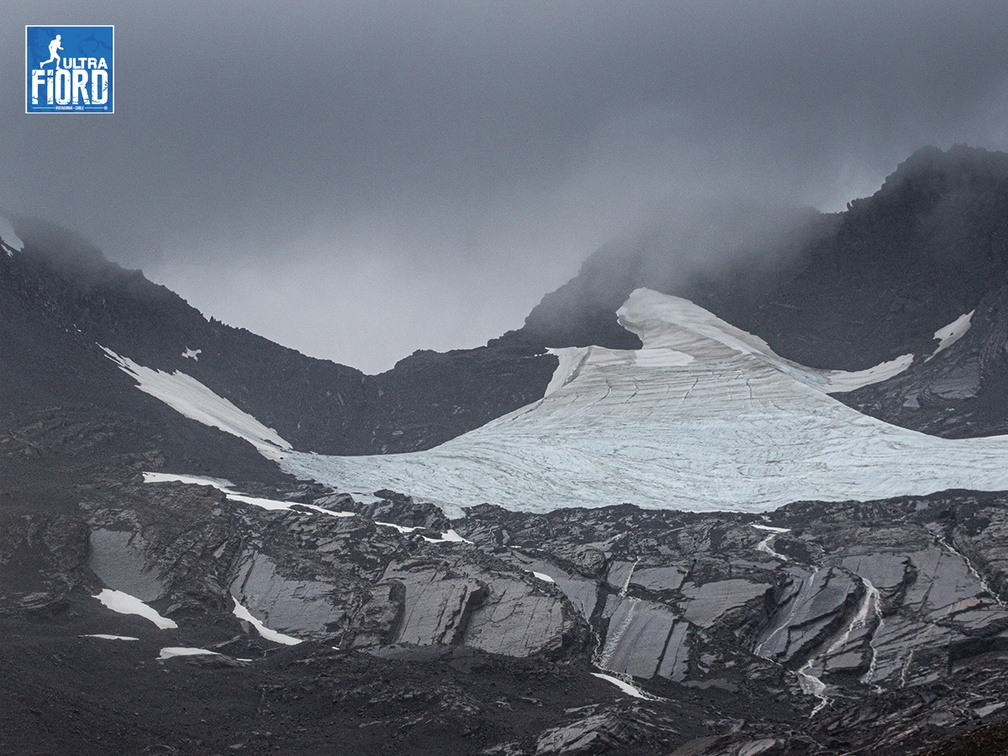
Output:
x,y
191,398
630,690
271,635
170,652
984,585
123,603
766,545
951,333
813,686
257,501
872,595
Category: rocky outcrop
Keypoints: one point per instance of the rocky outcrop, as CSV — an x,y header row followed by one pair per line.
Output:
x,y
834,605
819,628
342,579
605,732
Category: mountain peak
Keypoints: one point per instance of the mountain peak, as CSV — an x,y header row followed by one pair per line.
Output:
x,y
931,173
70,254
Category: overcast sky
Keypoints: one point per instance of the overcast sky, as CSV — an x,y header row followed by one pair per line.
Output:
x,y
362,179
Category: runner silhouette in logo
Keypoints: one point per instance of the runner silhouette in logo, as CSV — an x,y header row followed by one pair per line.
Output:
x,y
53,55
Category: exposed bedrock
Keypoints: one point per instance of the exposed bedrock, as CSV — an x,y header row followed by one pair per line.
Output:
x,y
854,612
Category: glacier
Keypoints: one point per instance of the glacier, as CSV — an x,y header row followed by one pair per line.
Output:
x,y
703,417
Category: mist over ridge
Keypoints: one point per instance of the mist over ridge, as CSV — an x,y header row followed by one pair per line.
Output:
x,y
423,174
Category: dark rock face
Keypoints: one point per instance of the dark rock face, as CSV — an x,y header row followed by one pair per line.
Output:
x,y
865,598
959,392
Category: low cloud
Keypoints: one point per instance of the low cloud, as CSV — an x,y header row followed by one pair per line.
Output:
x,y
362,179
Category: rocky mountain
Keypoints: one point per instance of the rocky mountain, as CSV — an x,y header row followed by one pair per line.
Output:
x,y
59,291
192,567
845,291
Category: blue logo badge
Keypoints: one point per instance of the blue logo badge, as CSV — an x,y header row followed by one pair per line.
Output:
x,y
69,69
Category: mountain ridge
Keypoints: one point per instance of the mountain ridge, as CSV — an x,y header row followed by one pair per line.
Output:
x,y
378,623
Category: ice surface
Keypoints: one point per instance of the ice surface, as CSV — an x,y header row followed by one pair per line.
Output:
x,y
123,603
103,636
736,427
951,333
191,398
9,237
271,635
169,652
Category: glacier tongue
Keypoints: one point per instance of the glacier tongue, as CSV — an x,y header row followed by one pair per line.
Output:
x,y
705,416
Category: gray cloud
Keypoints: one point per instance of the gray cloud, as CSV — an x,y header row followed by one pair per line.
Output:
x,y
362,179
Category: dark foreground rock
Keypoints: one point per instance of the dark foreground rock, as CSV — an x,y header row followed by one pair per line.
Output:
x,y
818,628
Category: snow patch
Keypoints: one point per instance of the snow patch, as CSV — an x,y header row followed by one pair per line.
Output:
x,y
169,652
192,354
276,505
838,381
951,333
449,536
103,636
542,576
401,528
271,635
191,398
770,528
123,603
630,690
219,483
